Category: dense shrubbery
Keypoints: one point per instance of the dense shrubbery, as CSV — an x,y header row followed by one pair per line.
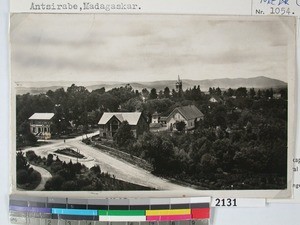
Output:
x,y
75,176
25,137
27,177
196,159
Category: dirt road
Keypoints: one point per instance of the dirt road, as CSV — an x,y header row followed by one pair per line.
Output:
x,y
120,169
45,177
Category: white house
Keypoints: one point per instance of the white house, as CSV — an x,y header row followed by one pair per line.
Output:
x,y
188,114
40,125
155,118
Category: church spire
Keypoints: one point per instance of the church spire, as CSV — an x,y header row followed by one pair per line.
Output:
x,y
178,85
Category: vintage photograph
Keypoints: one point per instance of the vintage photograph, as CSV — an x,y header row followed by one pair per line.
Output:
x,y
151,102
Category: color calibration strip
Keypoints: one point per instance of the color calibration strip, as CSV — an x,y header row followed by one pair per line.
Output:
x,y
110,210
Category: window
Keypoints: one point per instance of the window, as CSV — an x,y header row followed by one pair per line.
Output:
x,y
114,127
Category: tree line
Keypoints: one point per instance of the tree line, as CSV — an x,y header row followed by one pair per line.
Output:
x,y
78,108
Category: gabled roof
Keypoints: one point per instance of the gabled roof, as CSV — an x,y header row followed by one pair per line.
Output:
x,y
217,98
163,118
41,116
188,112
131,117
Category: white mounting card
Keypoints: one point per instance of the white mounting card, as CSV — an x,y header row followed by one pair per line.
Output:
x,y
232,7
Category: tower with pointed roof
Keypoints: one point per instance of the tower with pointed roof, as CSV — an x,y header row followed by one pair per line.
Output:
x,y
178,85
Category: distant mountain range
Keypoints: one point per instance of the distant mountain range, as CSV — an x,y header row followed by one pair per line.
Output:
x,y
224,83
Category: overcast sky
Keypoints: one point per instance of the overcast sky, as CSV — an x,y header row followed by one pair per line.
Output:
x,y
130,48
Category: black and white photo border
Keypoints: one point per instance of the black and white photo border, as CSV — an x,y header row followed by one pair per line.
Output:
x,y
51,69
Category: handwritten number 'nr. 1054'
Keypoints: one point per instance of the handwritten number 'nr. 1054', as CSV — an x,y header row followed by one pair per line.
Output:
x,y
280,11
226,202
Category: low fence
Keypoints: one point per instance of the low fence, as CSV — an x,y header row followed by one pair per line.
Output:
x,y
123,155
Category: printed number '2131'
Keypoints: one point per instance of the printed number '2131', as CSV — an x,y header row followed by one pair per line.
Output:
x,y
226,202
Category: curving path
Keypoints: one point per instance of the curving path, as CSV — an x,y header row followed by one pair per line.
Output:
x,y
45,177
120,169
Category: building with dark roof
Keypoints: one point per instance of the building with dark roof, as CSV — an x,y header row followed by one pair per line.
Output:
x,y
110,122
189,114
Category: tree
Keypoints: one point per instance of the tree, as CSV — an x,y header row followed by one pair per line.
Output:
x,y
145,93
31,156
241,92
54,183
230,92
180,126
167,92
25,173
283,93
108,102
224,151
76,103
193,94
253,157
96,169
159,150
218,91
269,93
198,148
160,94
100,91
174,94
25,137
22,176
69,186
259,94
22,163
132,105
123,94
252,93
92,101
60,123
124,135
249,127
220,115
49,159
153,94
208,163
211,90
